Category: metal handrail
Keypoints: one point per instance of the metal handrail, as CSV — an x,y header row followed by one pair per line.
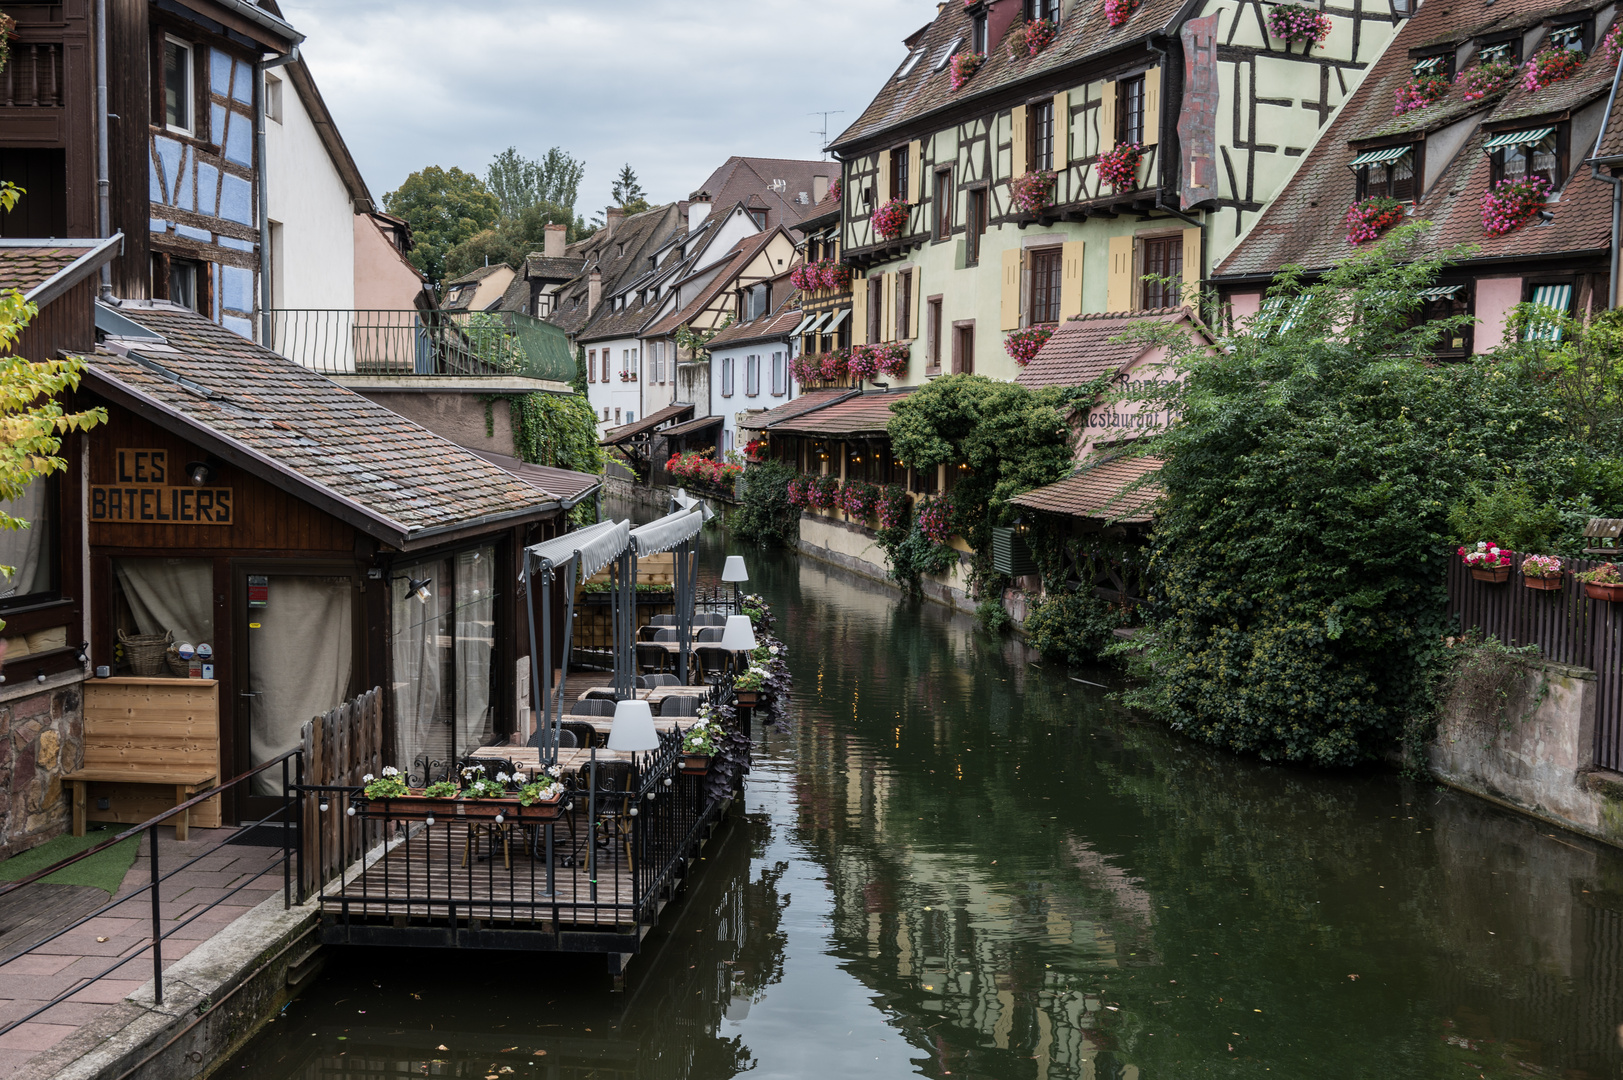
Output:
x,y
410,342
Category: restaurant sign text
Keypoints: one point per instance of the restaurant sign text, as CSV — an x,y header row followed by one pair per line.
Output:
x,y
143,495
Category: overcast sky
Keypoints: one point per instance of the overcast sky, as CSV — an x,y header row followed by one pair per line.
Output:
x,y
672,88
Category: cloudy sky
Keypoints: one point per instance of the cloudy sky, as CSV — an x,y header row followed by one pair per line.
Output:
x,y
672,88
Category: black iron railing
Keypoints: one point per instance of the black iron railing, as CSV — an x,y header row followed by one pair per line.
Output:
x,y
339,341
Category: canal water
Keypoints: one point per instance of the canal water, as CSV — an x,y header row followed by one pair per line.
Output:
x,y
954,861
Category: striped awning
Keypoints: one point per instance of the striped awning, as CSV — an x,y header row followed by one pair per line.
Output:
x,y
817,320
1531,137
839,317
1380,157
1429,65
1440,292
801,329
1558,297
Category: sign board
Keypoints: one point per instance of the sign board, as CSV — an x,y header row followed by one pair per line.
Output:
x,y
258,590
143,494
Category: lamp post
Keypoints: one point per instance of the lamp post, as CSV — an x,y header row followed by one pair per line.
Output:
x,y
633,732
734,572
738,637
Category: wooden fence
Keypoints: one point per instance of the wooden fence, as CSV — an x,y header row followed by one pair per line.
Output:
x,y
1568,627
339,748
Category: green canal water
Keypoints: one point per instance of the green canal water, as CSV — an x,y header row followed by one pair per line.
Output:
x,y
956,862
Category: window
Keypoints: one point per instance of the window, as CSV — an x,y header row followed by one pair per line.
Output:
x,y
944,57
1502,52
780,375
1557,297
759,217
1570,38
616,416
908,65
605,365
591,366
1130,110
757,299
1042,9
899,159
630,416
1388,173
1163,258
184,278
963,347
726,376
752,375
974,226
876,303
32,553
904,305
1443,302
1046,264
1040,134
273,98
942,202
605,414
177,86
977,32
932,338
1440,65
1520,154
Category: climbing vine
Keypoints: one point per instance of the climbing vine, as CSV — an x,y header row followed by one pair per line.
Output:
x,y
556,429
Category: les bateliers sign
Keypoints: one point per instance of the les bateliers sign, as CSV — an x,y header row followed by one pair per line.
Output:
x,y
143,495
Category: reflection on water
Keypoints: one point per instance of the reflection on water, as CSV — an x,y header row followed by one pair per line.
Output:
x,y
956,862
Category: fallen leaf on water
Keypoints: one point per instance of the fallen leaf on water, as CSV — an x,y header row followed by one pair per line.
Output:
x,y
416,995
509,1049
539,1053
1231,1048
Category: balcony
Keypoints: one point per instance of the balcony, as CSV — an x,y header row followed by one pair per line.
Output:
x,y
379,350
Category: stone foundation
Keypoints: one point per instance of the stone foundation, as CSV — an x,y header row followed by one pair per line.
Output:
x,y
41,737
855,548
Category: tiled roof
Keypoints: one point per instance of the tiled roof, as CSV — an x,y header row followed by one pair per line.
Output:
x,y
478,273
1082,349
553,269
608,324
809,401
1099,491
742,252
689,427
749,180
679,411
1303,225
861,414
42,269
928,85
641,234
563,484
775,325
358,460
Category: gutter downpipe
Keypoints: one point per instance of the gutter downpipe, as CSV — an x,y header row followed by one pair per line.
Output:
x,y
1617,189
104,226
265,297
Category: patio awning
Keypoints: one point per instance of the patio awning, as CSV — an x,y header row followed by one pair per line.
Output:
x,y
1380,157
594,545
681,410
815,323
1428,65
1439,292
839,317
1530,137
801,329
667,532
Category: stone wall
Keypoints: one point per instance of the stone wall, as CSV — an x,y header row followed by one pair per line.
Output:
x,y
857,549
1536,754
41,737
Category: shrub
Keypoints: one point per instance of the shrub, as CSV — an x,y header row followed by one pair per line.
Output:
x,y
765,514
993,616
1073,627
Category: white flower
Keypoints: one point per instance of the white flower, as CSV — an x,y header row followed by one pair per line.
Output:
x,y
368,778
390,770
773,649
520,778
502,778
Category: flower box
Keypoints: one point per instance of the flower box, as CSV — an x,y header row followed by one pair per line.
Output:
x,y
479,810
748,698
1496,575
695,764
1545,584
1612,593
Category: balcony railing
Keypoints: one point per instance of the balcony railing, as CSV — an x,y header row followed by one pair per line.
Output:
x,y
463,344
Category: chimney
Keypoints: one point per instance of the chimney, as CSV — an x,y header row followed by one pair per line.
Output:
x,y
698,210
552,245
594,291
819,188
613,216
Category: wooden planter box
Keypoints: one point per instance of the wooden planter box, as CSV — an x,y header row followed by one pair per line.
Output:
x,y
1546,584
1612,593
748,698
479,810
1495,575
695,764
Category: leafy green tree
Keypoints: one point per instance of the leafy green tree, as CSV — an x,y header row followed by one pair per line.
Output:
x,y
519,183
510,241
444,207
628,190
764,515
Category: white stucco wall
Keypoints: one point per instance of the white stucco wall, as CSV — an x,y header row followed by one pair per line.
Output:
x,y
306,195
728,408
625,396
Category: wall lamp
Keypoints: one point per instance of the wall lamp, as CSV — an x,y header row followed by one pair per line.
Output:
x,y
417,587
201,472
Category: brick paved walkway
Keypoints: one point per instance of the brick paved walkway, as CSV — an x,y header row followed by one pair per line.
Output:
x,y
126,931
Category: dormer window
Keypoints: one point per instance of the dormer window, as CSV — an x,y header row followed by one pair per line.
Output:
x,y
1387,173
1439,66
1501,52
1570,38
1537,152
977,32
1042,9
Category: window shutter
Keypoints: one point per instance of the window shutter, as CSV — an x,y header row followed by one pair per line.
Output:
x,y
1070,285
915,163
887,310
883,194
913,293
1152,106
859,312
1107,120
1011,290
1191,267
1062,131
1017,139
1119,286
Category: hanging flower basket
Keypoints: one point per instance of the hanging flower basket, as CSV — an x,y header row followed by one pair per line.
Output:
x,y
1034,190
1487,561
964,65
1612,594
803,277
1612,44
892,359
1024,345
890,219
1550,66
1484,79
1419,92
699,764
1292,23
1040,33
1605,582
834,364
935,520
1542,572
1119,168
1511,203
833,275
1117,11
1368,218
1496,575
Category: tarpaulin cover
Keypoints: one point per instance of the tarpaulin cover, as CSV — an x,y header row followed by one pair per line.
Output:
x,y
595,544
667,532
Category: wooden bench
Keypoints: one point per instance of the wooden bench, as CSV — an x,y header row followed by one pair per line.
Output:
x,y
145,733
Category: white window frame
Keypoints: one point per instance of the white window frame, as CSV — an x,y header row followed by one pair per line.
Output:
x,y
190,68
780,381
273,97
726,376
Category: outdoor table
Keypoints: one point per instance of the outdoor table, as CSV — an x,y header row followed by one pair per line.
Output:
x,y
652,694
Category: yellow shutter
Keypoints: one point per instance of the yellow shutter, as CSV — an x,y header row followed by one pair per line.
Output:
x,y
915,178
913,316
1062,130
859,311
887,313
1119,286
1152,106
1070,283
1017,139
1192,268
883,194
1107,119
1011,290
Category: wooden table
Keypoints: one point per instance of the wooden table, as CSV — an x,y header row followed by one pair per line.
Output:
x,y
528,758
654,694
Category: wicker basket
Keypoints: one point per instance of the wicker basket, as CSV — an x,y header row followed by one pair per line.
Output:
x,y
177,667
145,652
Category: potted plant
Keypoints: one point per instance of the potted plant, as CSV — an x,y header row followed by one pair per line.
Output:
x,y
1040,34
1119,167
542,798
698,744
890,219
1368,218
1605,582
1117,11
1542,572
1480,80
1024,345
1292,23
388,786
1512,203
748,685
1487,562
1033,191
964,66
1419,92
1550,66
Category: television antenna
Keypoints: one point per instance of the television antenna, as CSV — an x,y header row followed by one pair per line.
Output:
x,y
822,133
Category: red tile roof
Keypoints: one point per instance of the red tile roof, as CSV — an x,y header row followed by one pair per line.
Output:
x,y
742,252
1100,492
1086,347
565,484
679,411
809,401
860,414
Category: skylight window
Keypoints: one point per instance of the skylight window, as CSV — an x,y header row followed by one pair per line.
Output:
x,y
913,59
945,55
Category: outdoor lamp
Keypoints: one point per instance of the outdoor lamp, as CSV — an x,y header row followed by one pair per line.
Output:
x,y
416,587
734,572
199,472
633,727
739,636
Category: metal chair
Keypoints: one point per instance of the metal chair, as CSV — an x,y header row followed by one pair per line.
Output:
x,y
680,705
592,707
605,692
710,619
583,733
649,682
614,795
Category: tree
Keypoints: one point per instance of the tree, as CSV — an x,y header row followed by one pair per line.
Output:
x,y
510,241
627,189
519,183
444,207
